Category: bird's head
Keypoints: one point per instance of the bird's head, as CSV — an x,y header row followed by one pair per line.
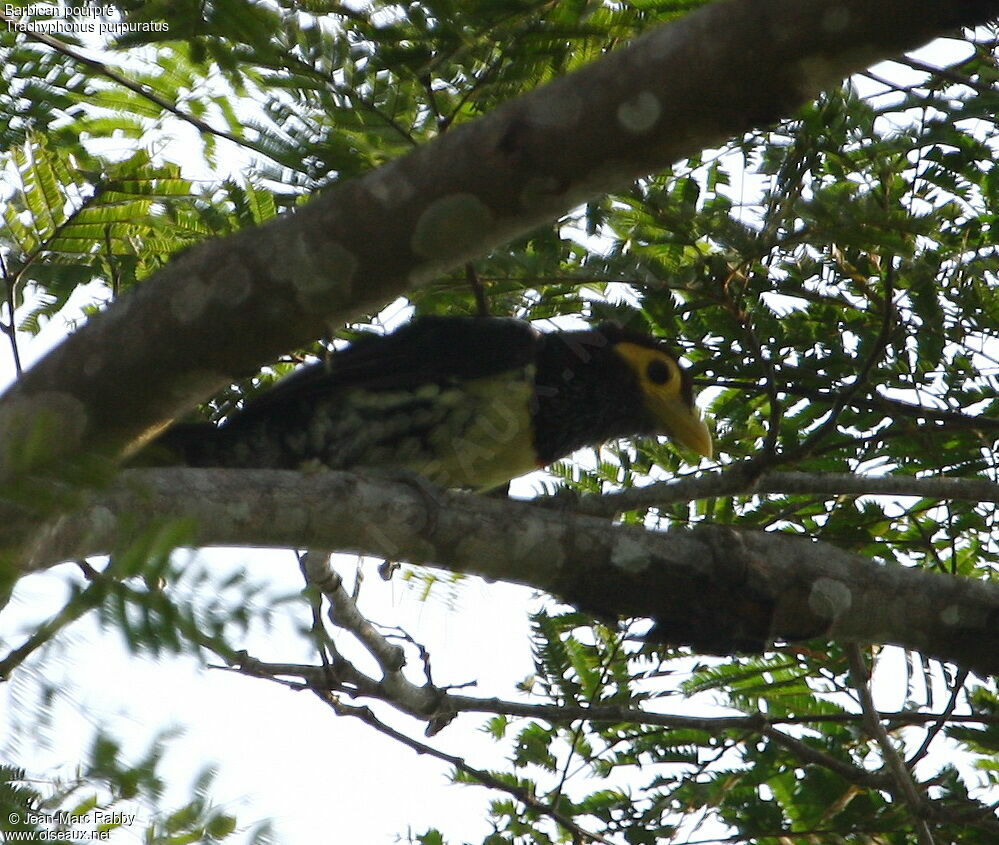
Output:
x,y
667,389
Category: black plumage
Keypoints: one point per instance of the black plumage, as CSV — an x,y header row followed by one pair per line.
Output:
x,y
468,402
587,394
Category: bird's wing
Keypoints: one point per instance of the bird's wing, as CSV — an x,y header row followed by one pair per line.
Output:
x,y
427,350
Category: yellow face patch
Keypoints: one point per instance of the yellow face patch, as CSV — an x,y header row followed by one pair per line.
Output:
x,y
658,374
661,382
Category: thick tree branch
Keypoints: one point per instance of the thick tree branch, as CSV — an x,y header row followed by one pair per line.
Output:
x,y
221,309
713,588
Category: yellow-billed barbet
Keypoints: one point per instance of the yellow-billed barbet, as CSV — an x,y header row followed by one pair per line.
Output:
x,y
466,401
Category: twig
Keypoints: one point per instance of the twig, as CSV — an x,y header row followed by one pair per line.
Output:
x,y
485,778
76,607
426,80
905,785
845,396
776,408
421,701
113,266
46,243
893,86
577,731
735,481
808,754
615,713
783,836
947,73
321,637
945,717
351,94
344,677
344,613
602,713
481,303
872,402
354,683
473,89
10,329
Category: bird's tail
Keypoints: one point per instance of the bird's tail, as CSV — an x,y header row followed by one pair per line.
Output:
x,y
193,444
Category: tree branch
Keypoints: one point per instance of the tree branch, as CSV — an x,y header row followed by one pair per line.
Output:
x,y
330,686
423,701
485,778
951,74
941,723
904,784
716,589
358,685
735,481
616,713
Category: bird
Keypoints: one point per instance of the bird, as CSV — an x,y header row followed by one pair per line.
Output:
x,y
467,402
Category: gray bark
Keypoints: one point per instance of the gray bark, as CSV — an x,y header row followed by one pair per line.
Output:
x,y
716,589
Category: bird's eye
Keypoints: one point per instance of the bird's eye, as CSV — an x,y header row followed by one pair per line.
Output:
x,y
658,372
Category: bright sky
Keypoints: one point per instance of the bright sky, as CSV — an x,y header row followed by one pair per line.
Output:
x,y
279,753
